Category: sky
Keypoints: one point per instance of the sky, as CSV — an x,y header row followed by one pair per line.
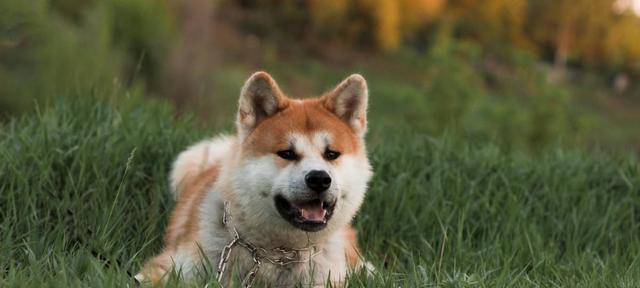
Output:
x,y
629,4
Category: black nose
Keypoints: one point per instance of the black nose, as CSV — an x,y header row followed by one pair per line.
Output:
x,y
318,180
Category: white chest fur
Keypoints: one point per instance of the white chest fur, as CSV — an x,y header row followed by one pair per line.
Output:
x,y
326,261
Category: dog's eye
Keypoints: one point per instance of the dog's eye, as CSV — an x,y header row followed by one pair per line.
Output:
x,y
287,154
331,155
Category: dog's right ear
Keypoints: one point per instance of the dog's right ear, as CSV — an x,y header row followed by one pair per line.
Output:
x,y
260,99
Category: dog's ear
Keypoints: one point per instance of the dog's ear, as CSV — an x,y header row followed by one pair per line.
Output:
x,y
260,99
348,101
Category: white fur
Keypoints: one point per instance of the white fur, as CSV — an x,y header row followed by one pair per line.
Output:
x,y
256,217
196,159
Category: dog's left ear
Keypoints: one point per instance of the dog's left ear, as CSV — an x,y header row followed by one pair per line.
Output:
x,y
348,101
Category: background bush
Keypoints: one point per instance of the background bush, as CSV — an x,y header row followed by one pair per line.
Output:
x,y
482,73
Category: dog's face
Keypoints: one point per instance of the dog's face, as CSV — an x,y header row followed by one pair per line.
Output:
x,y
303,164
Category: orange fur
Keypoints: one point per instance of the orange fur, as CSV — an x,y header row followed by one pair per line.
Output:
x,y
304,117
183,225
190,198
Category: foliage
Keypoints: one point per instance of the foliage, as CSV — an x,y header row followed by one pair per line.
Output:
x,y
476,73
491,23
101,47
84,201
572,30
383,24
452,90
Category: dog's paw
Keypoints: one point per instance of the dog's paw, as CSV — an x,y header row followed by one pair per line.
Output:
x,y
152,273
139,278
155,278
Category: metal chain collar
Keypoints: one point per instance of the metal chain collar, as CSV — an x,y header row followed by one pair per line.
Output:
x,y
278,256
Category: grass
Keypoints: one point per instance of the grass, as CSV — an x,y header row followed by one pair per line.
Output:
x,y
84,200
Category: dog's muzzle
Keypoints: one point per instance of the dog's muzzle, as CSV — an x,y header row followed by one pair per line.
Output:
x,y
311,215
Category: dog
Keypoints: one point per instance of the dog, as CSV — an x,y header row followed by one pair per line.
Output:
x,y
274,202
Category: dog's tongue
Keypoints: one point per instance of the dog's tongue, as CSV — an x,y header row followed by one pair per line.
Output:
x,y
312,211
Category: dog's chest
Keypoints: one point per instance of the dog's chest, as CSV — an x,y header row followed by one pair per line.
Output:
x,y
311,268
310,271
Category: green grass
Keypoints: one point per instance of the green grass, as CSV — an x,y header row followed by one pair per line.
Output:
x,y
84,201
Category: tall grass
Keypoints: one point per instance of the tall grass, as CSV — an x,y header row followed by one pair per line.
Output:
x,y
84,200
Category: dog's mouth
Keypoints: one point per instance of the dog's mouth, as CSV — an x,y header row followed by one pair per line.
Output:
x,y
310,216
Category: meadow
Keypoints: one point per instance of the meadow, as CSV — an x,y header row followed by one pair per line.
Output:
x,y
490,169
84,200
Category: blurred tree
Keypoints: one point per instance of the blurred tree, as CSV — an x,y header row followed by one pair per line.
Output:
x,y
416,14
573,29
394,21
189,68
144,32
387,23
491,22
622,44
378,23
561,30
71,9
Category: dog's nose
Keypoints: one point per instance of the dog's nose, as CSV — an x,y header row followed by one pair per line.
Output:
x,y
318,180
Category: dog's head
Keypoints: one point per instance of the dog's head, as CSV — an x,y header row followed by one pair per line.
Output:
x,y
303,165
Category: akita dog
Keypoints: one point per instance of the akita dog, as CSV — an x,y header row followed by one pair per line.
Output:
x,y
274,202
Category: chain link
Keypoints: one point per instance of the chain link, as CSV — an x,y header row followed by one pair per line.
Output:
x,y
282,256
224,256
